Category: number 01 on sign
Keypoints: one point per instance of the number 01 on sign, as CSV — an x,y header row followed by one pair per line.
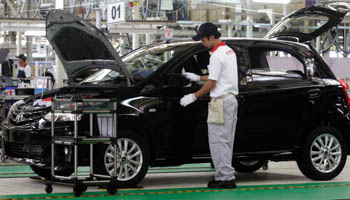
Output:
x,y
116,12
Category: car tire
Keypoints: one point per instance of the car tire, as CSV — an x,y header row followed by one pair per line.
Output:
x,y
323,154
247,166
135,159
46,172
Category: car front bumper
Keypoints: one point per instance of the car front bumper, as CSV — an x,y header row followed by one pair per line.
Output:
x,y
23,142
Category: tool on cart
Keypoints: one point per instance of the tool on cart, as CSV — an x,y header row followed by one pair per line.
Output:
x,y
77,107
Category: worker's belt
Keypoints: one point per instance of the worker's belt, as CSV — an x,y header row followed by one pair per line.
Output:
x,y
223,96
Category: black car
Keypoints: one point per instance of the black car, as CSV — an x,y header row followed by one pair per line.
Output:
x,y
291,106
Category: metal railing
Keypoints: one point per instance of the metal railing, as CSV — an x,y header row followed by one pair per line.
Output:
x,y
38,9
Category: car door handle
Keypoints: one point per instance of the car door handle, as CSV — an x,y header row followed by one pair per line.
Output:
x,y
314,93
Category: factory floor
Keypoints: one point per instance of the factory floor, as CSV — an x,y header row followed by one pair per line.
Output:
x,y
281,181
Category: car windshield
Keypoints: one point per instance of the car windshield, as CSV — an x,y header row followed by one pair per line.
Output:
x,y
305,24
102,75
142,62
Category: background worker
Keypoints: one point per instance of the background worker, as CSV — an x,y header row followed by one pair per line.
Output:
x,y
222,83
23,70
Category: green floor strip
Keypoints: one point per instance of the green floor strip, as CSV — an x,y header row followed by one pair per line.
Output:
x,y
25,171
308,191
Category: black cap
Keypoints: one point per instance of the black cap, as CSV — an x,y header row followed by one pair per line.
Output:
x,y
22,56
206,30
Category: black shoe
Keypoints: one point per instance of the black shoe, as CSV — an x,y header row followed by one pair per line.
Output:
x,y
222,184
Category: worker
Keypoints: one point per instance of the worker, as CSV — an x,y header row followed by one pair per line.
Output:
x,y
23,70
222,83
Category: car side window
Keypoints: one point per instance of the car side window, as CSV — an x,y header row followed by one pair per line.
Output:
x,y
274,64
197,63
284,62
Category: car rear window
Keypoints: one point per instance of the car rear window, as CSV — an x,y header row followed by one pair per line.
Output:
x,y
306,24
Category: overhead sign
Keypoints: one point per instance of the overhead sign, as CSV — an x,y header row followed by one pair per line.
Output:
x,y
116,12
167,5
168,33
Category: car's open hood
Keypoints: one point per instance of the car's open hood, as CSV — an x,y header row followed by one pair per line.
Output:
x,y
80,45
308,23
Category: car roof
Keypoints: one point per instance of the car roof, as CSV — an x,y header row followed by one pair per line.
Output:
x,y
239,39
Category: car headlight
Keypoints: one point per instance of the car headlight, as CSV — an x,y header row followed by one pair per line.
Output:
x,y
66,117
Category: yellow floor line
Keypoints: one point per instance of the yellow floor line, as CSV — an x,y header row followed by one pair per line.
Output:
x,y
187,191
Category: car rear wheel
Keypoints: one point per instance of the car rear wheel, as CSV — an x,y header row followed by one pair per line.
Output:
x,y
46,172
247,166
323,154
132,159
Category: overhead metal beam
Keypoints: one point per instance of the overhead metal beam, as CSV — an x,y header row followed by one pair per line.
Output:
x,y
243,14
145,22
21,28
13,26
130,22
22,20
224,22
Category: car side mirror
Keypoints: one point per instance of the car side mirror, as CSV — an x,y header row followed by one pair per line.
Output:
x,y
177,80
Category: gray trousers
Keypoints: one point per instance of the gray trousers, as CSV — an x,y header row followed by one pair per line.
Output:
x,y
221,138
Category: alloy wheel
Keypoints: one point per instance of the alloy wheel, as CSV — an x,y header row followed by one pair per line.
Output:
x,y
129,159
325,153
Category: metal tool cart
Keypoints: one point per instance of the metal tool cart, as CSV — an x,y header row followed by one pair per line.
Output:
x,y
78,107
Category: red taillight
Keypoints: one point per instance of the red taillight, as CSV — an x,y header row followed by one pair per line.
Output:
x,y
346,89
47,99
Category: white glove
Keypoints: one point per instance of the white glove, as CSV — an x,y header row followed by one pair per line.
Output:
x,y
191,76
187,99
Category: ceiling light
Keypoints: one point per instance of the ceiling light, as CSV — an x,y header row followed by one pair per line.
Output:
x,y
34,33
272,1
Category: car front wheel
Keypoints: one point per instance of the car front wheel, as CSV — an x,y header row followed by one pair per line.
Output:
x,y
323,154
132,159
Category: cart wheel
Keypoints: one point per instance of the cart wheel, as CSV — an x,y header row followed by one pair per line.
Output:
x,y
84,188
111,189
265,166
48,188
77,190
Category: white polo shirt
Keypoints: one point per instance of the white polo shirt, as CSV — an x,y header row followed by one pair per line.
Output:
x,y
223,69
27,70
